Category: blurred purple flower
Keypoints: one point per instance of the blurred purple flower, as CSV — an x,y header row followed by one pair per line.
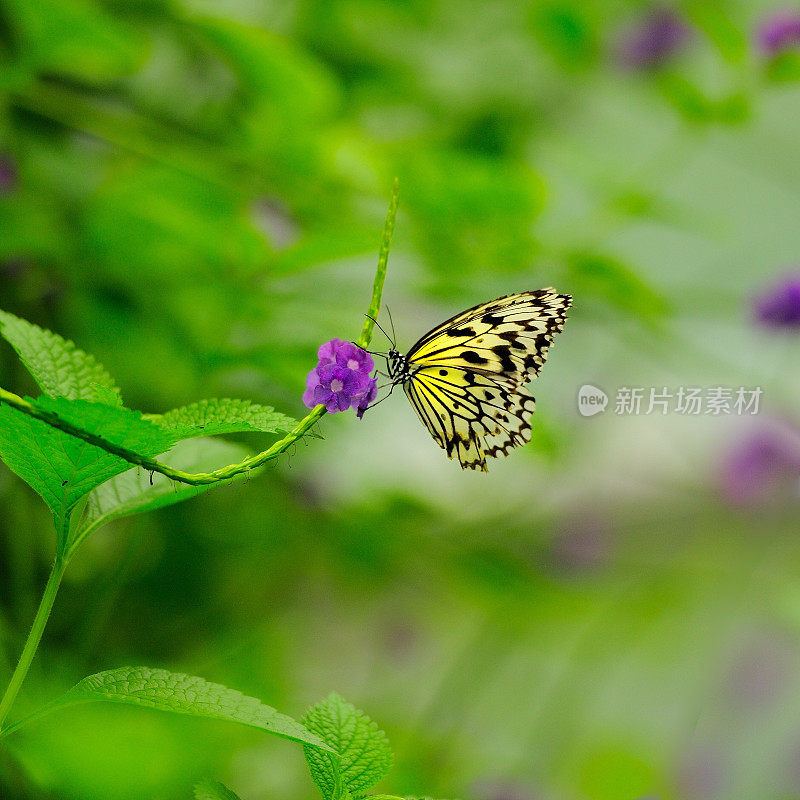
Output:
x,y
761,669
8,175
701,773
763,465
779,308
779,32
274,219
658,35
582,544
341,379
503,790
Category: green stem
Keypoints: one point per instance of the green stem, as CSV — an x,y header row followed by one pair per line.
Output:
x,y
380,272
232,470
34,637
150,464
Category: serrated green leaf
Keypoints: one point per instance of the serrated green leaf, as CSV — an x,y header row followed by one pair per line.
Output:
x,y
162,690
106,395
136,491
364,755
215,416
57,365
213,790
63,468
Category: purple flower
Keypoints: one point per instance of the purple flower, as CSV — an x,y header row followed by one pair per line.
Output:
x,y
763,465
656,37
779,308
312,381
327,352
337,387
366,398
8,175
345,354
341,379
779,32
353,357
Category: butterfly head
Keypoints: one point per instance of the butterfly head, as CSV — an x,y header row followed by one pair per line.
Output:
x,y
397,366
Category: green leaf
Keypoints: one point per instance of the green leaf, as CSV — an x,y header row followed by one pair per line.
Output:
x,y
213,416
162,690
136,490
57,365
472,209
726,35
103,394
596,275
277,73
567,32
213,790
687,98
364,755
784,67
176,225
61,467
76,37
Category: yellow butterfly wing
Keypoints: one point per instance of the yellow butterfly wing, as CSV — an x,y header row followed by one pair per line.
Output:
x,y
467,374
507,337
470,415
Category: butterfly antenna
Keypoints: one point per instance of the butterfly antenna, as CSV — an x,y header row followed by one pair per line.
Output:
x,y
371,352
394,335
381,327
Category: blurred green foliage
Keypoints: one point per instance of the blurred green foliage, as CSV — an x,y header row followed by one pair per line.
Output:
x,y
194,191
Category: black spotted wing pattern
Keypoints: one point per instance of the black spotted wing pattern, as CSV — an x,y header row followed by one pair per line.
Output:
x,y
466,377
469,415
509,336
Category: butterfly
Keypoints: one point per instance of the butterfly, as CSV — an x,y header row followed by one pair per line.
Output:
x,y
466,378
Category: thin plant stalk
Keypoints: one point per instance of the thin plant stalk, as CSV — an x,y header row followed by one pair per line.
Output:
x,y
34,637
224,473
232,470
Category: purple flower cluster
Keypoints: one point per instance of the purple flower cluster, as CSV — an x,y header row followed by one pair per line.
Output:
x,y
763,465
779,307
656,36
779,32
341,379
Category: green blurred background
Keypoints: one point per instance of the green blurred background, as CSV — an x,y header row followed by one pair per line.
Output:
x,y
193,191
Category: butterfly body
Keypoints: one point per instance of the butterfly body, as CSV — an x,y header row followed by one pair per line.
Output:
x,y
466,378
397,365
